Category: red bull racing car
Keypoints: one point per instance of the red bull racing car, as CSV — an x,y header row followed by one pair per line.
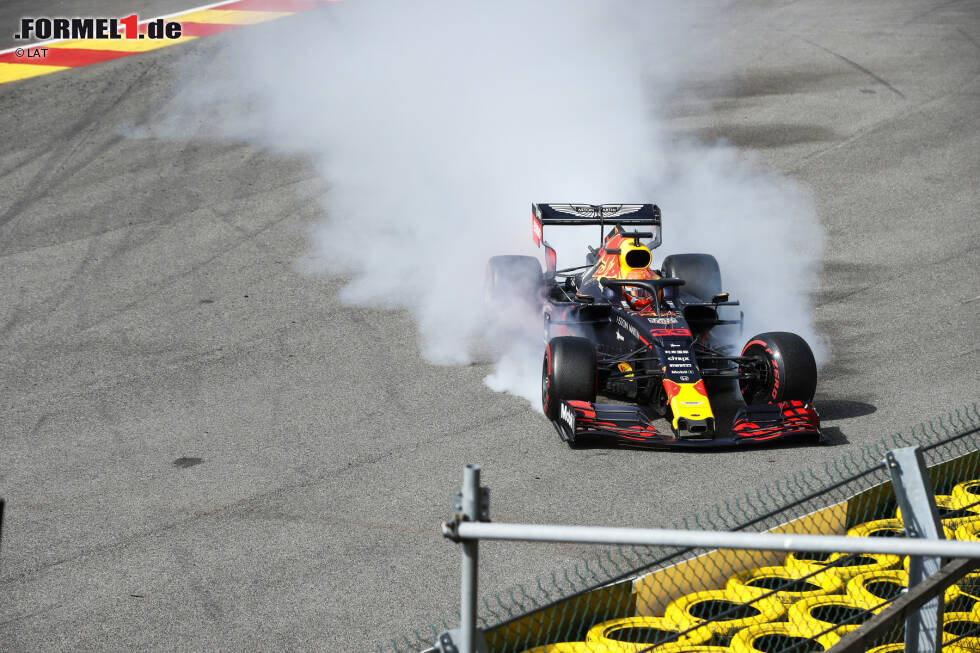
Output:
x,y
647,339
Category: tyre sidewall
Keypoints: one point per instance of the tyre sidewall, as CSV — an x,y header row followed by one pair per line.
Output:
x,y
548,403
569,373
792,371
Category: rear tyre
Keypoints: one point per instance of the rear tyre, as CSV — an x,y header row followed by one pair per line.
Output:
x,y
513,278
700,272
783,369
569,373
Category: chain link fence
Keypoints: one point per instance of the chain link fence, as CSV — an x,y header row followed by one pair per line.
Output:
x,y
674,599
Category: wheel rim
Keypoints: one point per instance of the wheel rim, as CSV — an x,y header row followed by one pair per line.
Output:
x,y
545,385
760,388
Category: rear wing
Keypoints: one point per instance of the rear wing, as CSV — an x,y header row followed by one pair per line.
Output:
x,y
634,215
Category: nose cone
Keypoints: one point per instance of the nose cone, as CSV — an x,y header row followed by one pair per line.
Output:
x,y
692,414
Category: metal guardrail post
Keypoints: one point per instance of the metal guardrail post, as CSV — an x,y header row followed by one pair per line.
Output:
x,y
470,503
910,482
470,562
871,631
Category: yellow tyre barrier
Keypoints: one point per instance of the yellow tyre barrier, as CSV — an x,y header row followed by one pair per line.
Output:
x,y
574,647
967,530
878,528
845,565
706,609
966,493
899,646
751,584
875,587
964,628
964,596
950,514
820,613
889,648
778,636
890,528
693,648
638,633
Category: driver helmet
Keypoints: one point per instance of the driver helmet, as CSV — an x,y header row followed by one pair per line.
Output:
x,y
639,298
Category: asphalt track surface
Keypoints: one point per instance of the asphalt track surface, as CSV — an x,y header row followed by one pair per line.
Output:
x,y
153,311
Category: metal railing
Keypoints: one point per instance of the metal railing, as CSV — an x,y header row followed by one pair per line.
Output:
x,y
921,607
850,492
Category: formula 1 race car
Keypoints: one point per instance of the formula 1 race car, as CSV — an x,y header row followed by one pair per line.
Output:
x,y
647,338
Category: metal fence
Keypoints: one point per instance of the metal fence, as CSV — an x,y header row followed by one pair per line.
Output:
x,y
671,596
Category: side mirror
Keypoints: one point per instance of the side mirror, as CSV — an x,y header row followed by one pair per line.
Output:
x,y
719,298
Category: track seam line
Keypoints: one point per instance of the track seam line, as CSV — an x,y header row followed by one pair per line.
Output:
x,y
859,67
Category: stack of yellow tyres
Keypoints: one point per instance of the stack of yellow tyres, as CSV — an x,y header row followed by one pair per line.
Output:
x,y
836,614
890,648
889,528
779,636
878,528
876,587
713,613
844,565
571,647
951,513
811,605
964,595
967,590
967,530
961,629
691,648
786,582
966,493
639,633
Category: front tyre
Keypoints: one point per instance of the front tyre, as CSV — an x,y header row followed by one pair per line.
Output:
x,y
569,373
781,368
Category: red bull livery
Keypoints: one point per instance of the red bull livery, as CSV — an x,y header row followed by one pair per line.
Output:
x,y
647,339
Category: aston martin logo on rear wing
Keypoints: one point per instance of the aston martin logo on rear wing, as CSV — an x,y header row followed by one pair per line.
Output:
x,y
588,214
634,215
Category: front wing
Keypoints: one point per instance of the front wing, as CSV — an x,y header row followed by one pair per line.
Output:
x,y
629,425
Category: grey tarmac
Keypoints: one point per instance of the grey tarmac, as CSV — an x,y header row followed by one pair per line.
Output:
x,y
202,448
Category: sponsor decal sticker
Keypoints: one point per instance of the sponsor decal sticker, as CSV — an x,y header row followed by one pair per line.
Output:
x,y
568,416
629,327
